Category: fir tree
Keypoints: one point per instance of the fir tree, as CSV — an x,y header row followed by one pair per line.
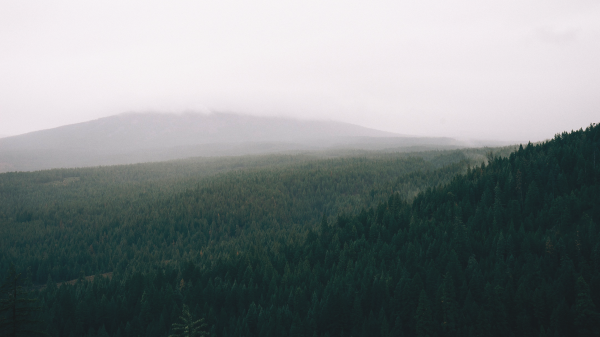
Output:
x,y
586,319
188,326
424,317
17,308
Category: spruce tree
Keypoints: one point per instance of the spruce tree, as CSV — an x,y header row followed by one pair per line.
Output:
x,y
188,326
17,308
424,317
587,318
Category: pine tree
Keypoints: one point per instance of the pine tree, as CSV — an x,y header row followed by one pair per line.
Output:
x,y
397,330
102,332
188,327
17,308
586,319
449,306
424,317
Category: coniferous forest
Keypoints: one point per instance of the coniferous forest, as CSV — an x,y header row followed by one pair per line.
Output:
x,y
442,243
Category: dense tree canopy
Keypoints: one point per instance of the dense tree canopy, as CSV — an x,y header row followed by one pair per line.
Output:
x,y
108,219
379,246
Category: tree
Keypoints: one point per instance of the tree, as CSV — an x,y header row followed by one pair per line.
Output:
x,y
586,319
17,308
449,306
188,327
424,317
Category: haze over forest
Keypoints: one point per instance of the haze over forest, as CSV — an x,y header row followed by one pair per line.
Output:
x,y
315,168
511,71
142,137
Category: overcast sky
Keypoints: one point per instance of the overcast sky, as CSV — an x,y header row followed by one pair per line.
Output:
x,y
506,70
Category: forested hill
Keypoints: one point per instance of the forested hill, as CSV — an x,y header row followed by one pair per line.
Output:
x,y
151,137
119,212
507,248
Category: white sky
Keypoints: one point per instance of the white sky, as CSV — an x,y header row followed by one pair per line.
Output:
x,y
506,70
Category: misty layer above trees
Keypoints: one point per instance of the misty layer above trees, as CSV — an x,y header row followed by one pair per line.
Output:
x,y
135,137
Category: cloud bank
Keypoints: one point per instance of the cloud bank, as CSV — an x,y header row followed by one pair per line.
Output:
x,y
467,69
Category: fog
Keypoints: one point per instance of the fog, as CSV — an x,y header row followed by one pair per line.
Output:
x,y
510,70
149,137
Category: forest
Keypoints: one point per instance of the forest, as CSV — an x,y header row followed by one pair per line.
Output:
x,y
442,243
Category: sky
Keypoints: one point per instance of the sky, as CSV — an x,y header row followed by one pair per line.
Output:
x,y
503,70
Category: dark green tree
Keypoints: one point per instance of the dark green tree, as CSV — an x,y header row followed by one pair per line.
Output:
x,y
424,317
188,326
449,306
18,308
587,318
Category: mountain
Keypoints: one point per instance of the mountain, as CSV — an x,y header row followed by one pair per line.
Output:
x,y
153,130
143,137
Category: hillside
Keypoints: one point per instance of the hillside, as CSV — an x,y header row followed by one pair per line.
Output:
x,y
429,244
227,193
136,137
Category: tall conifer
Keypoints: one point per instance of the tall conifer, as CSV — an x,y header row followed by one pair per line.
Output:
x,y
17,308
188,326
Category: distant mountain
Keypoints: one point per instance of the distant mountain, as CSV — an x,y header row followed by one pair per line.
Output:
x,y
141,137
153,130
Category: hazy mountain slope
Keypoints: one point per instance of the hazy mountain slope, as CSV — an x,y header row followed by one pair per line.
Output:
x,y
142,137
152,130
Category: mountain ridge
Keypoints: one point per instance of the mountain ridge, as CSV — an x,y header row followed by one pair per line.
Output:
x,y
165,130
144,137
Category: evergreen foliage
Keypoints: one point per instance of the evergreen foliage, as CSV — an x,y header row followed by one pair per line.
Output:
x,y
353,247
188,326
17,308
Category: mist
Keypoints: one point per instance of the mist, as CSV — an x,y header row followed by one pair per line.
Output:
x,y
509,71
149,137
